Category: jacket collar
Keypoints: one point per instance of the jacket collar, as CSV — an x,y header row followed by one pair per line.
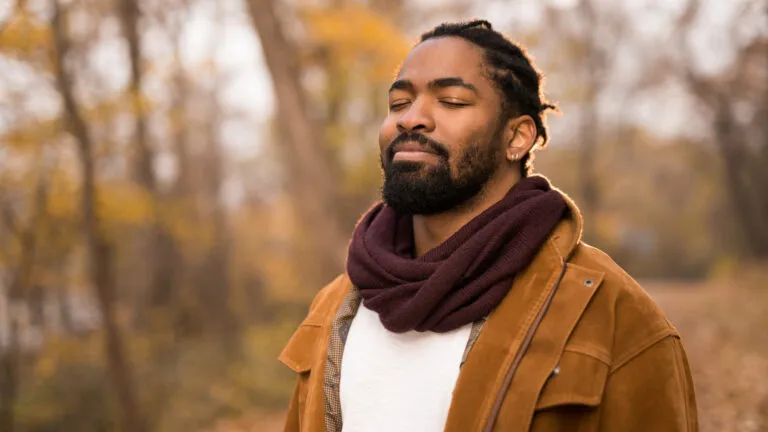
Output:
x,y
567,234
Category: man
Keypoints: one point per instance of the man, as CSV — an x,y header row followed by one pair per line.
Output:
x,y
469,302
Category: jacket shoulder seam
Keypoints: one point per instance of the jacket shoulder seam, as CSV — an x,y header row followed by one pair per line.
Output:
x,y
596,260
645,344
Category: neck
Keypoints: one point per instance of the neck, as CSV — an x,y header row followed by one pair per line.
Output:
x,y
429,231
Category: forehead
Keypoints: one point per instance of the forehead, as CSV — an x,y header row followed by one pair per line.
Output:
x,y
443,57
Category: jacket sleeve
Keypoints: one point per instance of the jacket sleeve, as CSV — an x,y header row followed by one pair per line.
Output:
x,y
652,390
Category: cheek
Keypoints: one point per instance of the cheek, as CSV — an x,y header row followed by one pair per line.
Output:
x,y
470,144
387,132
461,128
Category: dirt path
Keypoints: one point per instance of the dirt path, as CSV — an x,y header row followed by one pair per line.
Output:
x,y
724,327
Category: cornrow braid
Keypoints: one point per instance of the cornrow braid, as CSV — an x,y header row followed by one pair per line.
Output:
x,y
513,71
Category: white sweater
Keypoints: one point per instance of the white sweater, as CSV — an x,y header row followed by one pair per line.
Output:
x,y
397,382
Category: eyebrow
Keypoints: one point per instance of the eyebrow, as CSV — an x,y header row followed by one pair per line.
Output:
x,y
452,82
440,83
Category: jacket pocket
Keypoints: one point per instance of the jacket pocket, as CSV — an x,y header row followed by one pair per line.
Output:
x,y
578,380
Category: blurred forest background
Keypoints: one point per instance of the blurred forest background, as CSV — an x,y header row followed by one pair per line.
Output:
x,y
178,178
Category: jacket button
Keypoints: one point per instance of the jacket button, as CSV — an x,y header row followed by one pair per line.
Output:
x,y
556,371
589,282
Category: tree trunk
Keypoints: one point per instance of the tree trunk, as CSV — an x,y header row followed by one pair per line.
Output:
x,y
748,197
19,292
588,136
143,172
744,161
216,288
9,378
161,248
310,175
99,250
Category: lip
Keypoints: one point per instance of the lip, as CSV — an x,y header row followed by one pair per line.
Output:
x,y
412,147
411,155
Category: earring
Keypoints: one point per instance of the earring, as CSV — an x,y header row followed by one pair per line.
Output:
x,y
514,157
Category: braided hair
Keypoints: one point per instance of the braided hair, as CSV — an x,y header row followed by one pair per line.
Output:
x,y
512,70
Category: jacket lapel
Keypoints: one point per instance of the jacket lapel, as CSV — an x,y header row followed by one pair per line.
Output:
x,y
308,350
492,354
487,364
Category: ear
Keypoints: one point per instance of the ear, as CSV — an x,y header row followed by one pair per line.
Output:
x,y
519,137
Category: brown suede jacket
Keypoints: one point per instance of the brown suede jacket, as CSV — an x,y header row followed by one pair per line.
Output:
x,y
576,345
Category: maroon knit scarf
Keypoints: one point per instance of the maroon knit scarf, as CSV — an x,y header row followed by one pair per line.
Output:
x,y
462,279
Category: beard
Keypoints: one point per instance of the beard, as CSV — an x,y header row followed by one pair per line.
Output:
x,y
418,188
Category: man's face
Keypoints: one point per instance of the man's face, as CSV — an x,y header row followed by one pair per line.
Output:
x,y
441,142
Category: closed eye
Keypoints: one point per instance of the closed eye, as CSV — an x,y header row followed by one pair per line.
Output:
x,y
398,105
453,104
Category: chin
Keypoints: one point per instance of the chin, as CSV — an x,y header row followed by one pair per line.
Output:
x,y
405,166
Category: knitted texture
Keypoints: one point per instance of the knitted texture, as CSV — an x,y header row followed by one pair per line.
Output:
x,y
460,280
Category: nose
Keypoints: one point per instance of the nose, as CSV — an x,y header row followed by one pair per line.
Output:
x,y
416,118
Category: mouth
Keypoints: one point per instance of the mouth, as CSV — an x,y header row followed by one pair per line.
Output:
x,y
412,151
415,156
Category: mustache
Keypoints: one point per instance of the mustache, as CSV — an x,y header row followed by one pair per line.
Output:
x,y
434,146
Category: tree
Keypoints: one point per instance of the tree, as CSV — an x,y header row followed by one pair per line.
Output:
x,y
20,285
161,251
588,35
214,281
100,251
311,177
742,144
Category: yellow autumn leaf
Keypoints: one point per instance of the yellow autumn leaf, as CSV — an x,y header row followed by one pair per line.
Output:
x,y
356,34
39,131
46,366
23,35
123,203
139,103
194,235
31,135
64,196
